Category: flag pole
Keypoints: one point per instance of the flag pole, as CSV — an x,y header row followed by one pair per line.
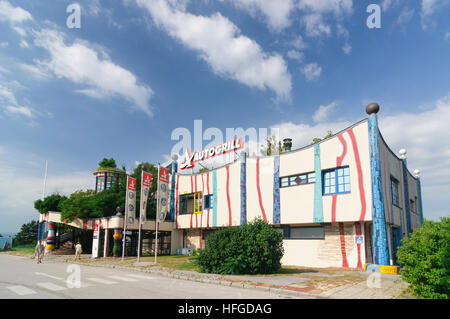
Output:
x,y
156,220
125,222
140,217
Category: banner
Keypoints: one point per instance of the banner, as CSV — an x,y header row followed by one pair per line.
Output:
x,y
130,210
95,239
163,194
145,189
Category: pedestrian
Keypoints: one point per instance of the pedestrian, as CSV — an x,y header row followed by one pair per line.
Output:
x,y
78,250
39,252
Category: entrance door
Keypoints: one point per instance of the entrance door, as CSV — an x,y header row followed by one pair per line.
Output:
x,y
368,232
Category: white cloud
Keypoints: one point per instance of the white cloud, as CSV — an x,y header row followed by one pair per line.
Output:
x,y
387,4
7,95
82,64
295,55
323,112
219,42
276,13
315,26
429,8
425,135
404,18
347,48
13,15
4,44
19,110
24,44
312,71
37,71
299,43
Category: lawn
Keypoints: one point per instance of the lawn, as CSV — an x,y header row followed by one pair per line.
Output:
x,y
22,250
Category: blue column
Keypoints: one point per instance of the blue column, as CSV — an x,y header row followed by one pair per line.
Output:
x,y
243,158
172,191
276,190
318,209
380,242
419,194
406,197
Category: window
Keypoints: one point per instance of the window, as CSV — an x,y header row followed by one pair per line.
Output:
x,y
336,181
304,232
191,203
298,179
394,191
208,202
412,206
100,183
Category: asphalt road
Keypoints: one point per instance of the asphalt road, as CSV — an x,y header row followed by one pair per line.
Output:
x,y
23,278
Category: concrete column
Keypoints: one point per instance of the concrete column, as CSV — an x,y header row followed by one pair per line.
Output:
x,y
106,243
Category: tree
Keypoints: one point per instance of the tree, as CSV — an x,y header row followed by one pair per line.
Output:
x,y
27,234
253,248
107,163
273,146
425,259
318,139
50,203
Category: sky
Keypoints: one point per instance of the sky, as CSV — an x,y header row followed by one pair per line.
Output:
x,y
121,82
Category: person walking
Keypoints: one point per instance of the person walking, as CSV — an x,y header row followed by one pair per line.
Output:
x,y
39,252
78,250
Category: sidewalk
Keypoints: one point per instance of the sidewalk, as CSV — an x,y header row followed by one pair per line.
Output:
x,y
320,283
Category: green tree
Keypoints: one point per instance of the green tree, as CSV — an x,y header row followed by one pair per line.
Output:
x,y
253,248
27,234
425,259
107,163
273,146
50,203
318,139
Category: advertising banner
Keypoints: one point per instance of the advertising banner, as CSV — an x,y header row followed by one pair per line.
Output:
x,y
145,189
163,194
130,209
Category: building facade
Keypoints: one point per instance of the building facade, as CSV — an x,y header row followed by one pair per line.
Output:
x,y
345,201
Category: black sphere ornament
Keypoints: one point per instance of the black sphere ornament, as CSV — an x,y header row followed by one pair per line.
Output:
x,y
372,108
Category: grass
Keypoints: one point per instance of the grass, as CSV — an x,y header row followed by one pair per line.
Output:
x,y
22,250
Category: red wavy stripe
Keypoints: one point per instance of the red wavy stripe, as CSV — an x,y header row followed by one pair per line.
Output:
x,y
360,175
203,203
196,215
339,160
228,195
344,255
358,233
259,191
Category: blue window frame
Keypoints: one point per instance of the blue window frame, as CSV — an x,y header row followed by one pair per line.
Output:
x,y
208,203
336,181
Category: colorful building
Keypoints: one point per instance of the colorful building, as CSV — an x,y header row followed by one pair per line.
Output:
x,y
345,201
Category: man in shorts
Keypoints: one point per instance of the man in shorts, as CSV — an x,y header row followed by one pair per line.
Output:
x,y
39,252
78,250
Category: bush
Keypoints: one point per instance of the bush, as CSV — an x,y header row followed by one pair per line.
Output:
x,y
253,248
425,258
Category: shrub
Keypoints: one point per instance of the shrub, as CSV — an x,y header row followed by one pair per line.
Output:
x,y
253,248
425,258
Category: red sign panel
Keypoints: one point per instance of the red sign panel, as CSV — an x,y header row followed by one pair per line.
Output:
x,y
163,174
147,181
131,183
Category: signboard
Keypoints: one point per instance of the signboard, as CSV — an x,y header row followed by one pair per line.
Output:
x,y
130,209
145,189
163,193
198,156
95,240
359,239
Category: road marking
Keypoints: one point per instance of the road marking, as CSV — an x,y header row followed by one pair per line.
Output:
x,y
102,281
50,286
21,290
122,278
49,276
140,276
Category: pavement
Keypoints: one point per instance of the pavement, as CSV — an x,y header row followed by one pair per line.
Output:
x,y
310,283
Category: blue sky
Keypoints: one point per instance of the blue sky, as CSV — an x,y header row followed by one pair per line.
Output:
x,y
136,70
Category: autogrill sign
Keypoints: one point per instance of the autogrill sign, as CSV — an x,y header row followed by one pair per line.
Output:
x,y
198,156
